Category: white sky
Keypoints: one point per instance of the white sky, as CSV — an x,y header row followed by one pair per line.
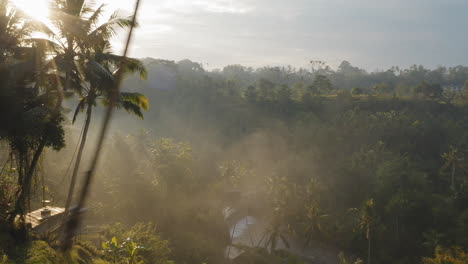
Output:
x,y
372,34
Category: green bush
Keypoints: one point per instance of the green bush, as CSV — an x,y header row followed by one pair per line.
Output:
x,y
41,253
149,246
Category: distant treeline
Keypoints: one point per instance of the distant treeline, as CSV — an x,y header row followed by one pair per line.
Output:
x,y
318,77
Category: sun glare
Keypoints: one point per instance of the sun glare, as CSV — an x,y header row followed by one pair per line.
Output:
x,y
37,9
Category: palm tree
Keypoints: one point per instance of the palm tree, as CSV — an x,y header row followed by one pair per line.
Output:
x,y
367,219
98,67
82,52
314,219
453,159
99,90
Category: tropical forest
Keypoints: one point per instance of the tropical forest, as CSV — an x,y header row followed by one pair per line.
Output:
x,y
124,140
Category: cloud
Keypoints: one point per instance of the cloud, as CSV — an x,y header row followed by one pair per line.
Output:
x,y
223,6
372,34
203,6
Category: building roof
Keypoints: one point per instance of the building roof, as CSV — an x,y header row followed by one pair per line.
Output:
x,y
35,218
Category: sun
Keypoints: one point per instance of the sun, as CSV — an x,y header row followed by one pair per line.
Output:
x,y
37,9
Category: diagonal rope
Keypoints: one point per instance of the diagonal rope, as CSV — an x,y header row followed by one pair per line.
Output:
x,y
73,157
75,217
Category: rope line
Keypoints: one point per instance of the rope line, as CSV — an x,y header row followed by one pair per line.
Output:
x,y
73,156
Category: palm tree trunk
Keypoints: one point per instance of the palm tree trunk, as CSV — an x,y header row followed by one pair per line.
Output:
x,y
369,247
398,231
453,176
231,236
261,239
69,57
78,159
248,230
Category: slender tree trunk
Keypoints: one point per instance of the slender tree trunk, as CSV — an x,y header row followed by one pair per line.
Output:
x,y
398,231
78,158
453,176
261,239
369,247
232,236
26,183
248,230
69,56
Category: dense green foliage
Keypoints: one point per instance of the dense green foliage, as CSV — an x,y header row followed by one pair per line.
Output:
x,y
331,153
29,120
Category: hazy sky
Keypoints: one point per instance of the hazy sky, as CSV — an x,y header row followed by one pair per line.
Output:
x,y
373,34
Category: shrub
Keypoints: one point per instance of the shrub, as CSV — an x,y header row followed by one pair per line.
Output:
x,y
448,256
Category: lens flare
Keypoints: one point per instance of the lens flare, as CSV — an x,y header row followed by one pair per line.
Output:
x,y
37,9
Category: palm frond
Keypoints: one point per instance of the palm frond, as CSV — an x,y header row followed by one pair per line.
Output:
x,y
108,29
97,71
94,18
43,28
67,24
136,66
132,108
131,65
136,98
88,7
74,7
79,108
47,44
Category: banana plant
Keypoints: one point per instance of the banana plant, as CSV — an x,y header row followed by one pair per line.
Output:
x,y
126,252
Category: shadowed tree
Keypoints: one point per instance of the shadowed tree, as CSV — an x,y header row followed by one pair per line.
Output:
x,y
315,218
321,85
30,108
366,223
366,218
453,160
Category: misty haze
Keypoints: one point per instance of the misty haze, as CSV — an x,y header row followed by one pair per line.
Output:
x,y
244,132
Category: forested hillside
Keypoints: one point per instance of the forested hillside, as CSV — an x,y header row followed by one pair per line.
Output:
x,y
328,165
378,172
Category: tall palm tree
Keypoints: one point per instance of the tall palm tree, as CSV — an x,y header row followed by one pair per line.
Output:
x,y
453,159
314,219
101,81
81,47
99,70
366,223
366,219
